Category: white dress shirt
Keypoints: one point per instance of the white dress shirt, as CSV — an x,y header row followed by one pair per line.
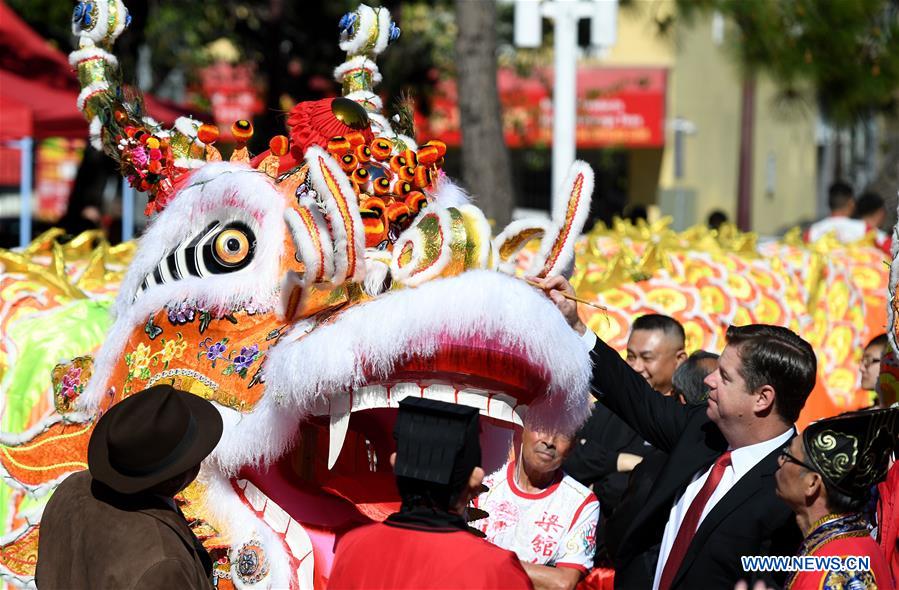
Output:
x,y
742,460
589,339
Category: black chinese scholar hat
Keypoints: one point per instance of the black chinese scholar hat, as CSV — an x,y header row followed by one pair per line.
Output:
x,y
436,442
852,451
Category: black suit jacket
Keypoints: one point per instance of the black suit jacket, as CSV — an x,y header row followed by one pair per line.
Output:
x,y
639,489
594,462
594,459
749,520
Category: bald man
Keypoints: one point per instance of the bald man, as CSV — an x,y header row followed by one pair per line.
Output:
x,y
655,349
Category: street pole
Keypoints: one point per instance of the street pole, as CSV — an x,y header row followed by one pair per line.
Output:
x,y
744,180
127,211
564,96
565,15
25,145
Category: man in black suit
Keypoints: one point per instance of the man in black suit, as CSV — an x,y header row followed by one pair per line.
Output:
x,y
714,500
607,449
689,389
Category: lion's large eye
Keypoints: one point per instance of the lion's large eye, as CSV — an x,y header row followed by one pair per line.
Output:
x,y
227,249
231,247
218,249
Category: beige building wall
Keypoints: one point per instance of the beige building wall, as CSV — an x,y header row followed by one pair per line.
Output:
x,y
638,43
784,190
705,89
704,92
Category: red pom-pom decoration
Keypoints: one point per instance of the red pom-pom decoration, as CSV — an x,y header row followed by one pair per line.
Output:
x,y
356,139
406,173
373,204
242,131
382,186
428,154
279,145
441,147
416,201
371,209
398,162
208,134
360,176
339,145
398,212
363,153
381,148
402,188
348,162
422,177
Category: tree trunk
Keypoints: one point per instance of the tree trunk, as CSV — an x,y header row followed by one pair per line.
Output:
x,y
486,170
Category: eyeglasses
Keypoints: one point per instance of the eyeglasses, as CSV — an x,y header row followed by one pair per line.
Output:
x,y
787,457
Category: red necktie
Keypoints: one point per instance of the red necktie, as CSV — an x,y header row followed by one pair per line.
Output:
x,y
691,522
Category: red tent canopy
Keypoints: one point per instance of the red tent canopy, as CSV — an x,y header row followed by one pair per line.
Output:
x,y
24,52
46,111
38,77
15,118
49,112
39,90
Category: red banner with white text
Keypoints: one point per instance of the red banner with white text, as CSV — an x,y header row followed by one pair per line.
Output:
x,y
622,107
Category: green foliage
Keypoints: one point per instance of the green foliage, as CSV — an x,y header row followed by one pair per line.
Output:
x,y
177,40
294,50
51,18
424,53
847,50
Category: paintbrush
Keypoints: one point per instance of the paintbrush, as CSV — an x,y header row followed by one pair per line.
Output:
x,y
569,296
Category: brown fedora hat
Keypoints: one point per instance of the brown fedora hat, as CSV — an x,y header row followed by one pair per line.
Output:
x,y
150,437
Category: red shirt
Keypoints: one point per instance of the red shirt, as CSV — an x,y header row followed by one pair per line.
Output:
x,y
878,577
888,519
402,556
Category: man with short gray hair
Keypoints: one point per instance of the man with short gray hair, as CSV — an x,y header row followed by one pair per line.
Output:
x,y
689,379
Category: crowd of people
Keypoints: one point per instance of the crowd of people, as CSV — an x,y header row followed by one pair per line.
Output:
x,y
851,218
689,466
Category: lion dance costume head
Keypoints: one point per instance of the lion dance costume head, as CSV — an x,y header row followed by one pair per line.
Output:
x,y
305,292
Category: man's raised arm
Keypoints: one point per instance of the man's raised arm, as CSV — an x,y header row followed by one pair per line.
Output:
x,y
658,419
